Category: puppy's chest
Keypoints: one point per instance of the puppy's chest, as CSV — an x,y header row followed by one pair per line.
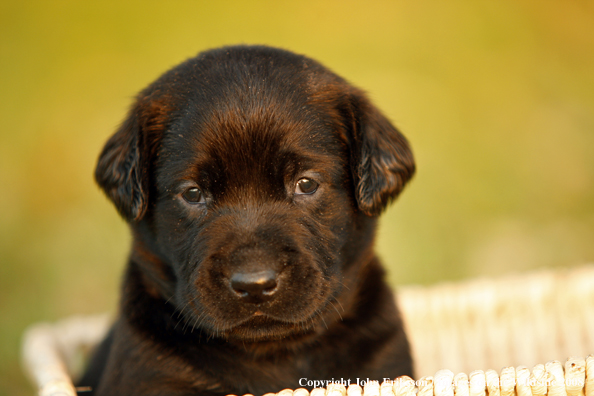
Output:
x,y
218,369
259,377
263,375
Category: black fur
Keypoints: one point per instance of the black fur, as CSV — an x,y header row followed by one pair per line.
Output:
x,y
259,282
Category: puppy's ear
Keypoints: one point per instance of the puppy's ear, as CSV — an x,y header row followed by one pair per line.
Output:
x,y
381,159
121,169
125,164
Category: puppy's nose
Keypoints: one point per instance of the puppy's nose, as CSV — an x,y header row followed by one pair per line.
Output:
x,y
254,287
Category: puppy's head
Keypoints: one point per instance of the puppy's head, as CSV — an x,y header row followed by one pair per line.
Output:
x,y
251,178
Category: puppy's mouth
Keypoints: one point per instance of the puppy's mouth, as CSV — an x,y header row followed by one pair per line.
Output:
x,y
262,328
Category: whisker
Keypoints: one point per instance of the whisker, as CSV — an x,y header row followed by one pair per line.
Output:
x,y
322,317
334,306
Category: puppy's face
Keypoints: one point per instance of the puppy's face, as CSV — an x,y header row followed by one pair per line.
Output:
x,y
253,212
251,178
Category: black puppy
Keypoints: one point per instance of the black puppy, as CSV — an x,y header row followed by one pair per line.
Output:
x,y
252,179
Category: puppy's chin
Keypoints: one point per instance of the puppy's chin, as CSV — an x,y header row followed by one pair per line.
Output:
x,y
264,330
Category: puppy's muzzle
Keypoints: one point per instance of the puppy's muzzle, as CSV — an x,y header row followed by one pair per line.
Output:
x,y
254,286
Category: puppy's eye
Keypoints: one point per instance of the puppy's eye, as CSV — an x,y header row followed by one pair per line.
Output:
x,y
193,195
306,186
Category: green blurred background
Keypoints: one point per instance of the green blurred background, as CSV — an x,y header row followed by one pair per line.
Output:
x,y
496,97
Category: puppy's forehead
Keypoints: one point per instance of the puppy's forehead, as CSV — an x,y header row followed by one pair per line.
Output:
x,y
252,118
238,145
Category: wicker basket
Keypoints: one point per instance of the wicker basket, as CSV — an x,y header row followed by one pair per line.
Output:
x,y
517,321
